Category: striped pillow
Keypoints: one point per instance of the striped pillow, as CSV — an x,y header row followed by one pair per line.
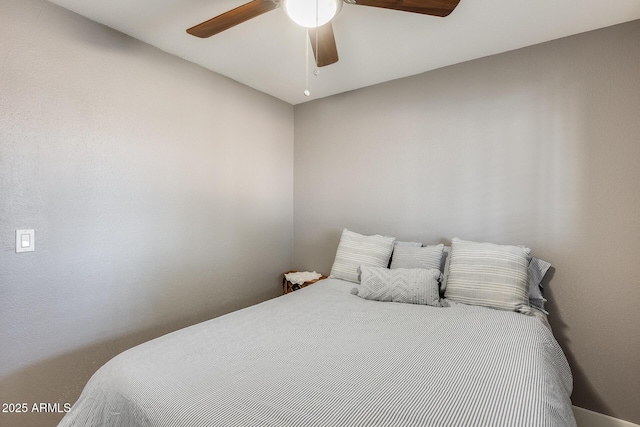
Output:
x,y
489,275
355,250
414,257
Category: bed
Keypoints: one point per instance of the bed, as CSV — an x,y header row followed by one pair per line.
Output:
x,y
325,356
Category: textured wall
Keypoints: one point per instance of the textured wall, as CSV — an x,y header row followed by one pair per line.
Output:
x,y
539,146
161,195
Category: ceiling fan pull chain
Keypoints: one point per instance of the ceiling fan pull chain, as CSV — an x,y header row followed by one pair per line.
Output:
x,y
315,58
306,65
317,55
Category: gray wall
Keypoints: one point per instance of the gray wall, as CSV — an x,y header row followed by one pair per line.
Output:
x,y
161,195
539,146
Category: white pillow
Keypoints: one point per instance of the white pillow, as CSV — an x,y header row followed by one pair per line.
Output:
x,y
355,250
489,275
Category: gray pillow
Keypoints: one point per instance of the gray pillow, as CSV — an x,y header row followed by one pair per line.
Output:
x,y
446,261
355,250
405,285
537,269
414,244
414,257
489,275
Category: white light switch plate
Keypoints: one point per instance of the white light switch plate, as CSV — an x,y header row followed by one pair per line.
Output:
x,y
25,240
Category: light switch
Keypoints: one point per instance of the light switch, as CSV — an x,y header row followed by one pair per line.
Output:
x,y
25,240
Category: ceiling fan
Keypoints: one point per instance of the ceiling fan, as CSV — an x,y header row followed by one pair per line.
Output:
x,y
316,15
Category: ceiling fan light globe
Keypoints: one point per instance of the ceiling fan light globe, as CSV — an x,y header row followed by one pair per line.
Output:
x,y
303,12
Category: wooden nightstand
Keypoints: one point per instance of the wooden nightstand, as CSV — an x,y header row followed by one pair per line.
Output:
x,y
290,287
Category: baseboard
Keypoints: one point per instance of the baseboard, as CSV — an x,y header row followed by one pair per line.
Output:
x,y
586,418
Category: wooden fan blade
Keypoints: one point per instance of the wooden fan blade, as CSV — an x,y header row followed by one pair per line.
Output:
x,y
232,18
426,7
327,53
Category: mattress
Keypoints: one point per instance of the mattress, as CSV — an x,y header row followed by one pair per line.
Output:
x,y
321,356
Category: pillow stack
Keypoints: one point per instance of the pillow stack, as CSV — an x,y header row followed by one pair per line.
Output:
x,y
503,277
414,275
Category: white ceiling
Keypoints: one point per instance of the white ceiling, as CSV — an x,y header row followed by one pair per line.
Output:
x,y
375,45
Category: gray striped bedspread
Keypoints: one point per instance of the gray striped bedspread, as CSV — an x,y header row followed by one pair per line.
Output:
x,y
323,357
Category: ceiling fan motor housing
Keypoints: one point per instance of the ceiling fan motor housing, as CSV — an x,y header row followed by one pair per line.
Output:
x,y
312,13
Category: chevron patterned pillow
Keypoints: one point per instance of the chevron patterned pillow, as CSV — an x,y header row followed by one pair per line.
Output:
x,y
406,285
